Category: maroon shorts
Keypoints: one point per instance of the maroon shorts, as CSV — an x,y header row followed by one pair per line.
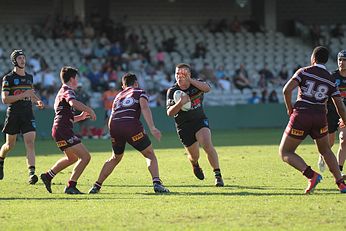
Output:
x,y
131,132
64,137
305,122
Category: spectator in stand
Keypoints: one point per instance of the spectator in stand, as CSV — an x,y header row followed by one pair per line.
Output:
x,y
49,79
108,98
235,25
86,49
207,74
89,31
200,50
273,97
283,75
95,77
316,37
35,64
100,51
266,76
222,78
160,56
241,78
264,95
83,96
116,49
169,45
255,99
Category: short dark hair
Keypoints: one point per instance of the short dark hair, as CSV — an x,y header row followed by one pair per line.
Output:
x,y
183,65
321,54
128,79
66,73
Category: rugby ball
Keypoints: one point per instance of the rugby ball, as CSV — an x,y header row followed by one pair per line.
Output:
x,y
177,95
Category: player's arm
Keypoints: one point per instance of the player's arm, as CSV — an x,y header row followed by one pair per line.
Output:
x,y
174,107
9,99
143,102
35,99
287,91
203,86
82,107
340,108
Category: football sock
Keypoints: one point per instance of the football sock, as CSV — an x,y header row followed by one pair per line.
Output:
x,y
196,164
341,167
98,185
72,183
31,170
156,180
217,172
50,174
308,172
2,160
341,181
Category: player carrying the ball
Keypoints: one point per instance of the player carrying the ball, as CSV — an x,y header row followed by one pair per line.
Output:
x,y
193,125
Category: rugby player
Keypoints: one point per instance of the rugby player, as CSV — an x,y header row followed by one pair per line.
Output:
x,y
18,94
62,132
125,127
193,125
308,117
332,115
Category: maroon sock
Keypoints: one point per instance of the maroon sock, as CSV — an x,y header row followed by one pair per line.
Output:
x,y
72,183
341,181
308,172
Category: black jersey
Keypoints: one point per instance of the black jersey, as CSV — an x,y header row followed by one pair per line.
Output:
x,y
16,84
340,82
196,112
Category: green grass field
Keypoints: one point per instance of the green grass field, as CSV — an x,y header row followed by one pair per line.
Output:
x,y
261,192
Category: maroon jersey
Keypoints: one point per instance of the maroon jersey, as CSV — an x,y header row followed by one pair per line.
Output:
x,y
316,85
64,116
126,104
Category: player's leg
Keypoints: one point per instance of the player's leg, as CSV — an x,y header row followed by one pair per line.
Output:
x,y
106,170
330,159
84,157
203,137
29,141
153,168
287,152
321,163
5,148
193,156
342,148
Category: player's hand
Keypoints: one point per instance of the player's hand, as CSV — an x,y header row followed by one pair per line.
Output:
x,y
40,104
341,123
28,94
289,112
92,115
184,99
156,133
84,115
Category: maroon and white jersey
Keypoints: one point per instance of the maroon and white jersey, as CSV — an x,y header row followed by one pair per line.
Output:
x,y
126,104
64,116
316,85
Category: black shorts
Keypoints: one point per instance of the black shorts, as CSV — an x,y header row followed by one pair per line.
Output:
x,y
16,123
333,121
131,132
187,132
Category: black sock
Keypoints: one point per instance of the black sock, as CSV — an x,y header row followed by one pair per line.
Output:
x,y
308,172
217,172
341,167
156,180
98,185
196,164
32,170
2,161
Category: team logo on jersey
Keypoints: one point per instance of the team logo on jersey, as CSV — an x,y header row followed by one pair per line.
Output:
x,y
297,132
16,81
137,137
61,143
337,82
324,130
127,102
5,84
